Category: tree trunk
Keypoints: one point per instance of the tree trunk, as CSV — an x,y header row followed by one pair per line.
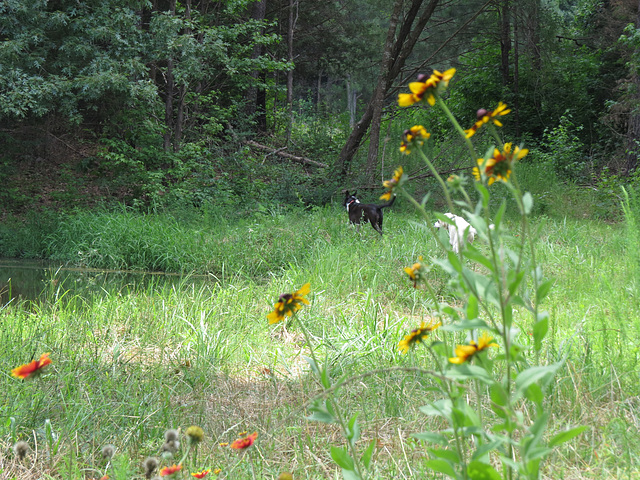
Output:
x,y
352,104
168,91
380,93
293,17
407,36
505,40
633,127
516,72
257,13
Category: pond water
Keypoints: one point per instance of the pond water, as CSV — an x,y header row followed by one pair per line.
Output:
x,y
34,279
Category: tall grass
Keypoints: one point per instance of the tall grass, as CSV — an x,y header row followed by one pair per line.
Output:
x,y
131,364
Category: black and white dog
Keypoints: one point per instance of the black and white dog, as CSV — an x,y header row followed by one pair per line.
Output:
x,y
365,212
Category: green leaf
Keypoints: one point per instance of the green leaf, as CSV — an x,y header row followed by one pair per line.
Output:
x,y
353,430
446,454
454,261
543,290
498,217
534,393
465,325
313,365
442,466
527,203
484,192
472,307
536,431
498,395
477,470
321,412
514,283
532,375
470,372
475,255
368,453
439,408
566,435
431,437
350,475
342,458
540,329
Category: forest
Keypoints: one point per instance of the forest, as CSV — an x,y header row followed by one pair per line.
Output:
x,y
177,172
166,102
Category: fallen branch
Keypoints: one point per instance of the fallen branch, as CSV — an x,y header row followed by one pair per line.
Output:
x,y
280,153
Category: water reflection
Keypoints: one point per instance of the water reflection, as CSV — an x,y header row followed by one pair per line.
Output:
x,y
35,279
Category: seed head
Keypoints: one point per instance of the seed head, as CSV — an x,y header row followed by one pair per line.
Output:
x,y
481,113
195,434
21,449
150,465
108,451
171,435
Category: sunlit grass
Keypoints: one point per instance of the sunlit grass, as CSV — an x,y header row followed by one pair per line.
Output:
x,y
132,363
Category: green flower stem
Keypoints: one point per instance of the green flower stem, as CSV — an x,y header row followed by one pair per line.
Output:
x,y
437,177
334,404
424,214
454,122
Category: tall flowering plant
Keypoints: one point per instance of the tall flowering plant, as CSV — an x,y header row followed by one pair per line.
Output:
x,y
491,383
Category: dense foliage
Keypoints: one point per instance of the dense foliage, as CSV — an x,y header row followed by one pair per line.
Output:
x,y
152,102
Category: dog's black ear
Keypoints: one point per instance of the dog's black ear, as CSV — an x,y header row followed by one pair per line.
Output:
x,y
346,193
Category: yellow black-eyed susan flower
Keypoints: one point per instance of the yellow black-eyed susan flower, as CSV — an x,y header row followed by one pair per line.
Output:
x,y
498,166
485,116
398,179
465,352
417,272
426,88
417,335
288,304
415,136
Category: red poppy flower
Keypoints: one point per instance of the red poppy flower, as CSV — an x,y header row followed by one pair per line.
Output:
x,y
246,442
31,368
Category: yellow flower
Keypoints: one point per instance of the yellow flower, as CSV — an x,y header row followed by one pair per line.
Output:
x,y
416,272
498,166
426,88
288,304
485,116
465,352
398,179
415,136
417,335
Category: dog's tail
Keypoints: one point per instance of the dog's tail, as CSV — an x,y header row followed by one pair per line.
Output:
x,y
389,203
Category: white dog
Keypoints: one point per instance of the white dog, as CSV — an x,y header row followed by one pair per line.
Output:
x,y
457,232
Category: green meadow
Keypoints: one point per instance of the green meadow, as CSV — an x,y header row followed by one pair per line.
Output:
x,y
133,363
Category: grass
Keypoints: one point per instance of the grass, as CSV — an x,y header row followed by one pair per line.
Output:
x,y
130,364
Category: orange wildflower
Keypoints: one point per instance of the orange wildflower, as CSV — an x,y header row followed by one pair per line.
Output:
x,y
166,471
201,474
246,442
32,368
